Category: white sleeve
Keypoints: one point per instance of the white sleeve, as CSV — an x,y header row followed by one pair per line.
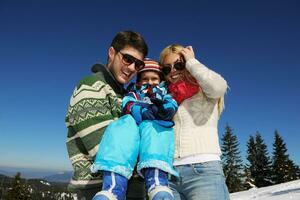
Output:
x,y
213,84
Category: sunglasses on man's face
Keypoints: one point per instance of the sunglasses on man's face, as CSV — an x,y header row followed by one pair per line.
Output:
x,y
179,65
129,59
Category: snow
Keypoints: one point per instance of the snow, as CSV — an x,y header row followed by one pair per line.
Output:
x,y
284,191
65,195
45,183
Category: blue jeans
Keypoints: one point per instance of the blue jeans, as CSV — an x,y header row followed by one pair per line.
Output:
x,y
200,181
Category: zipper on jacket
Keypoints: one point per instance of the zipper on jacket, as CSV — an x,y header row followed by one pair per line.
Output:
x,y
180,130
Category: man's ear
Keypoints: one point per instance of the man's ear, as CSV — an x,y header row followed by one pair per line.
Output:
x,y
111,54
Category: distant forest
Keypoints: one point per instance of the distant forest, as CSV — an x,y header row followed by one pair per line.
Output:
x,y
32,189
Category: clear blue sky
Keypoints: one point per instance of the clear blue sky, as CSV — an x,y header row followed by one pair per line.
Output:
x,y
47,46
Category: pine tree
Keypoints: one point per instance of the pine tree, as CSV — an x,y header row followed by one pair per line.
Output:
x,y
284,169
250,170
19,190
292,173
263,163
249,181
298,171
232,163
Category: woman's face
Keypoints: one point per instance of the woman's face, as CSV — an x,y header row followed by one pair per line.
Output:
x,y
174,74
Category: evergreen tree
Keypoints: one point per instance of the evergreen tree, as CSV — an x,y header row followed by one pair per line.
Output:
x,y
292,173
284,169
19,190
298,171
249,181
250,170
263,163
232,163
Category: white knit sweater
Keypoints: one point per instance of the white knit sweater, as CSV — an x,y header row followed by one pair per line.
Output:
x,y
196,120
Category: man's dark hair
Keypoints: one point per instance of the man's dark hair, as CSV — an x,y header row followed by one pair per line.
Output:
x,y
131,39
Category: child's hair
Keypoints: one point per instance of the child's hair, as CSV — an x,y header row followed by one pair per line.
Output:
x,y
150,65
176,49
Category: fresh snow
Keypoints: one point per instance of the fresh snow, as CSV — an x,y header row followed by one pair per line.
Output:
x,y
45,183
284,191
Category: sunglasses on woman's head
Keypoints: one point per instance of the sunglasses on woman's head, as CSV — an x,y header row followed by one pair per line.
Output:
x,y
129,59
179,65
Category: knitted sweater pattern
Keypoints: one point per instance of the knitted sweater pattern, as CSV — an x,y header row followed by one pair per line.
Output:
x,y
95,102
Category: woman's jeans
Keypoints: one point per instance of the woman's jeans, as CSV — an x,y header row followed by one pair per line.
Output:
x,y
200,181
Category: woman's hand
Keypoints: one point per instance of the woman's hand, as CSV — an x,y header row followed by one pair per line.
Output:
x,y
188,53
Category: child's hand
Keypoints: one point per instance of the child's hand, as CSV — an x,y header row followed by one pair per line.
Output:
x,y
148,113
165,113
157,102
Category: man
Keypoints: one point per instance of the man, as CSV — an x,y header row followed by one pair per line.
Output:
x,y
95,102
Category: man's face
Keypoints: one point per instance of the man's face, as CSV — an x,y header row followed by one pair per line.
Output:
x,y
121,70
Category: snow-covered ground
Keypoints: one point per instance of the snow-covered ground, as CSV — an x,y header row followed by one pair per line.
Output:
x,y
284,191
45,183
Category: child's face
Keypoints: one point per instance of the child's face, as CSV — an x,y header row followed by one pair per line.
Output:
x,y
150,77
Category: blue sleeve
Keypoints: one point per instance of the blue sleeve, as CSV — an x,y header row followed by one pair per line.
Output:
x,y
168,108
141,112
127,102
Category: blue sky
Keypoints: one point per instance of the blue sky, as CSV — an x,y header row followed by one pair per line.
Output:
x,y
46,47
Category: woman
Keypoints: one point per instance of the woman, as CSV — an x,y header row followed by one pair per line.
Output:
x,y
199,93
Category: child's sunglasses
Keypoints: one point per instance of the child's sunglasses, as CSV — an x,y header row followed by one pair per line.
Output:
x,y
166,69
129,59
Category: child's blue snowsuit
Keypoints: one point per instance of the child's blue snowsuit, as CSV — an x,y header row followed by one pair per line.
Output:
x,y
145,133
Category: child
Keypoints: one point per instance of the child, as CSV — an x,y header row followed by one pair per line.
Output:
x,y
145,131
